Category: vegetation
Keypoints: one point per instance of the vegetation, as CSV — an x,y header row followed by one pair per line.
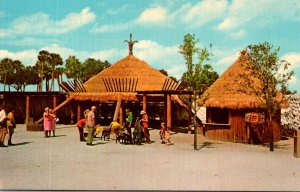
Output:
x,y
199,76
47,68
273,75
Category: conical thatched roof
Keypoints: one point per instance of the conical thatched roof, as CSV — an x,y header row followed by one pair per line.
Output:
x,y
226,92
129,71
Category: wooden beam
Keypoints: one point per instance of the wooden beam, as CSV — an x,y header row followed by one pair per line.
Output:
x,y
78,111
121,116
169,111
144,102
117,110
54,102
27,109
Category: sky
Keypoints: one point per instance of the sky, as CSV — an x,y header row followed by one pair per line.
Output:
x,y
97,29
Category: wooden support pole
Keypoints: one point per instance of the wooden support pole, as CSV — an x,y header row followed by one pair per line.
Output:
x,y
121,116
169,111
144,102
165,109
27,109
117,110
78,111
54,102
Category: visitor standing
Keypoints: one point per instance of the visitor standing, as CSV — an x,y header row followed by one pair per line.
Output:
x,y
47,122
145,125
128,124
162,132
3,125
11,125
90,125
53,122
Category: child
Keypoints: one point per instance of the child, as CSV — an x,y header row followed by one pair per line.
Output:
x,y
162,132
168,136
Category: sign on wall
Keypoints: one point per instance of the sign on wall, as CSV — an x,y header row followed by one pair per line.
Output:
x,y
255,118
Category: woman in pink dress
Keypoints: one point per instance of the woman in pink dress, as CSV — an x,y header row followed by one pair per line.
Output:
x,y
47,121
53,123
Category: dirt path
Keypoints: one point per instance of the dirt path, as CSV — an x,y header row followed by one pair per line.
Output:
x,y
63,162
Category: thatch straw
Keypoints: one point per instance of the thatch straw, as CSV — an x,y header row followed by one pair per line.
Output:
x,y
127,68
228,91
110,96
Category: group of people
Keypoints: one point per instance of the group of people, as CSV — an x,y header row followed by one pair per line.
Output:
x,y
88,122
7,125
49,122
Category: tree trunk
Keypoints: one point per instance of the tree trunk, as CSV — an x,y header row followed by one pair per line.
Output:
x,y
52,80
195,123
270,126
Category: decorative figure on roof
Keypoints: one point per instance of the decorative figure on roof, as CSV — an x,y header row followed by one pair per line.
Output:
x,y
130,44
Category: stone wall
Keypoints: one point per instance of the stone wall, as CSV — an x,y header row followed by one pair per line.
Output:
x,y
290,117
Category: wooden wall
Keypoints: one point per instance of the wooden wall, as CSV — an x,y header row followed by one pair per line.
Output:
x,y
236,129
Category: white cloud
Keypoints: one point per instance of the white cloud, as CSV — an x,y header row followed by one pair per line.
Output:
x,y
205,12
241,12
27,57
161,57
293,58
155,15
40,23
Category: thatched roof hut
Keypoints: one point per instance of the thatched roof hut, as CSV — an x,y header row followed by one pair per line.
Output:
x,y
227,102
125,69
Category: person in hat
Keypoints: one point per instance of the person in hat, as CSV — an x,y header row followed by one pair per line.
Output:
x,y
145,125
90,125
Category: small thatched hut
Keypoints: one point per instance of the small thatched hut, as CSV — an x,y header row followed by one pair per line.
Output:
x,y
227,105
129,80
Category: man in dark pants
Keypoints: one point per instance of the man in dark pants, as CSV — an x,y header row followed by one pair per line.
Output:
x,y
129,123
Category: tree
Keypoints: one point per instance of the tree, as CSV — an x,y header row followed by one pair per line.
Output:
x,y
6,68
91,67
199,76
15,77
43,68
73,68
272,74
55,60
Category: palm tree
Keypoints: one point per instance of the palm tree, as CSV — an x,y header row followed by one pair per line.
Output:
x,y
5,69
55,60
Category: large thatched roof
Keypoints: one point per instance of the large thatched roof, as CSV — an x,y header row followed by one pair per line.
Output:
x,y
227,91
124,74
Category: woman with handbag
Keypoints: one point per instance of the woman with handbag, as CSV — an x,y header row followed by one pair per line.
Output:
x,y
11,125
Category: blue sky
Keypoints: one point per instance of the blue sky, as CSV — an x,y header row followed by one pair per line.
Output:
x,y
97,29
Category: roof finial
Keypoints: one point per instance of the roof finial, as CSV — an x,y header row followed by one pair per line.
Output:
x,y
130,44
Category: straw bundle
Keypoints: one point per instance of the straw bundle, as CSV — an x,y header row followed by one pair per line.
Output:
x,y
126,70
229,90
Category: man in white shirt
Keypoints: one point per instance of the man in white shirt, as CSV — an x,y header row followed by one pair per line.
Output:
x,y
3,125
90,125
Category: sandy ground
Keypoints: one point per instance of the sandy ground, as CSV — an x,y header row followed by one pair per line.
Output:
x,y
64,163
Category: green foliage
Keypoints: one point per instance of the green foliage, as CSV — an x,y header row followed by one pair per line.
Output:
x,y
272,72
200,75
91,67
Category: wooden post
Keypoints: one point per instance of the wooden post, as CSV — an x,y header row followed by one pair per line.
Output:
x,y
117,109
54,102
121,116
27,109
78,111
169,111
165,109
144,102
